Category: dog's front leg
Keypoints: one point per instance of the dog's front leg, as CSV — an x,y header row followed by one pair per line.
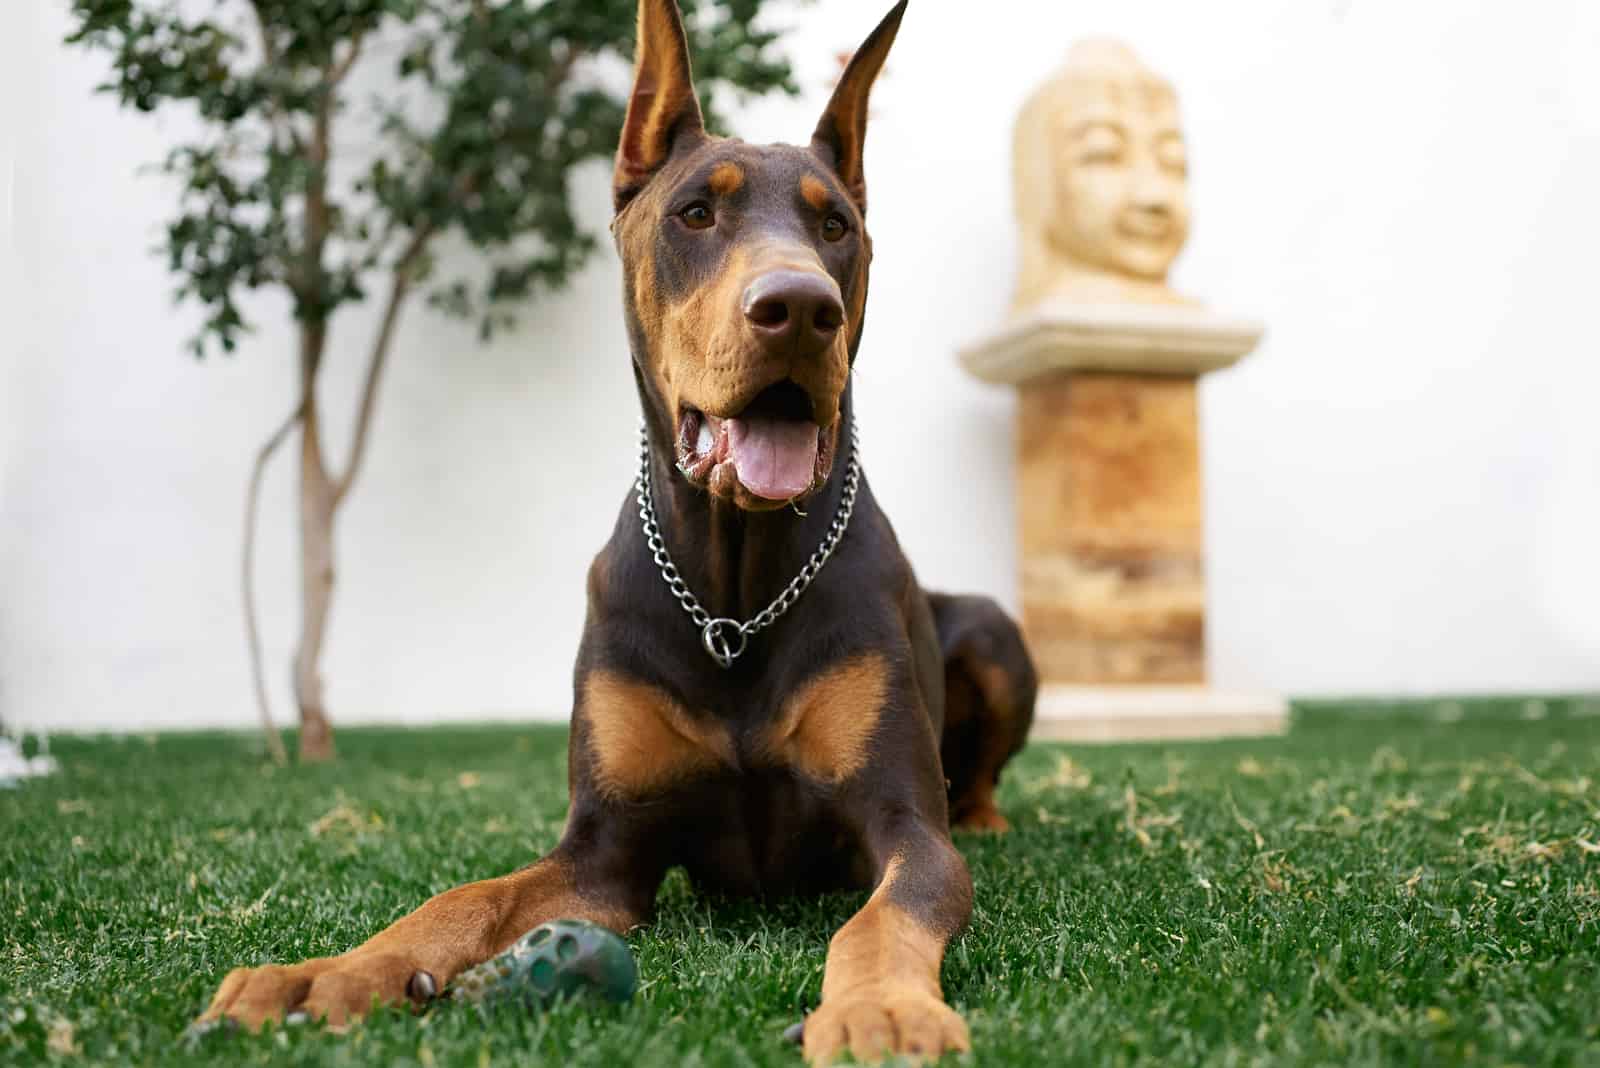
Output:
x,y
412,959
880,989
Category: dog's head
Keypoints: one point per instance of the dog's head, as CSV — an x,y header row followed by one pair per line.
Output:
x,y
745,273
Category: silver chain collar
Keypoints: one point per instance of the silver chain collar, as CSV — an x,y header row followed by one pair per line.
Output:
x,y
725,640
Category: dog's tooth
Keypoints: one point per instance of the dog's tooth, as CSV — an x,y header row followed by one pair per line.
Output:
x,y
724,480
707,440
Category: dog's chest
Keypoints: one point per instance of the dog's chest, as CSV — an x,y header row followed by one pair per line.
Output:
x,y
644,742
753,792
767,832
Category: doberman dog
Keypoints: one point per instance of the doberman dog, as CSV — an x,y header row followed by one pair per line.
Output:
x,y
837,747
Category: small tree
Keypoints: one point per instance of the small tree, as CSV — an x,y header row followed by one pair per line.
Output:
x,y
485,107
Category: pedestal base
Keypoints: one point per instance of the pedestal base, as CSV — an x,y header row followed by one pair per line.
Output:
x,y
1110,522
1153,713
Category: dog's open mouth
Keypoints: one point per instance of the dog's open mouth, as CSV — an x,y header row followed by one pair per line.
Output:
x,y
773,447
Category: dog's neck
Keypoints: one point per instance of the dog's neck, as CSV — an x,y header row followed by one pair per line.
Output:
x,y
736,561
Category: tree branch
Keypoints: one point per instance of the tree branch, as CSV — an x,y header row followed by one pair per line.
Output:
x,y
337,73
379,357
248,583
268,50
313,281
281,126
560,71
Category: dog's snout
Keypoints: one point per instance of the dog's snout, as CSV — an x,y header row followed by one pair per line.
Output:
x,y
800,310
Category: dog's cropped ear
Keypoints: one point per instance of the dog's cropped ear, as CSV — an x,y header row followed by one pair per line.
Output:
x,y
662,110
842,133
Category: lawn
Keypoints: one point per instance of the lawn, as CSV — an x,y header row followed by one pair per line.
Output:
x,y
1413,887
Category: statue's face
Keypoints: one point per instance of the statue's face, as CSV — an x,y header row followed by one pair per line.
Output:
x,y
1121,196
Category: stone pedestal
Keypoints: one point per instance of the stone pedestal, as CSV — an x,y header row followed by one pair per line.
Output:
x,y
1108,499
1110,515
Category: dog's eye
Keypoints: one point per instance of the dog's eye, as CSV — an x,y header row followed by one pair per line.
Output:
x,y
834,227
698,216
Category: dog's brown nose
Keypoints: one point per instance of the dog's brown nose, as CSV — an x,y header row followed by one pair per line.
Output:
x,y
795,310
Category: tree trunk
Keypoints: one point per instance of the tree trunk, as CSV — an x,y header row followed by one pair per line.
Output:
x,y
318,505
247,575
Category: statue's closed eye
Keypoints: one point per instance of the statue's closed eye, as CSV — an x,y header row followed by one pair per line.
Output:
x,y
1098,142
1171,154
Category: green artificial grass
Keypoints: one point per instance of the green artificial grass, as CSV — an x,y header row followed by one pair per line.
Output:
x,y
1417,889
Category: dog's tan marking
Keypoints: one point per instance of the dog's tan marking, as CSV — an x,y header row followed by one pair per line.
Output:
x,y
454,930
975,809
880,988
883,941
704,356
824,729
546,891
813,192
995,684
727,178
478,920
642,741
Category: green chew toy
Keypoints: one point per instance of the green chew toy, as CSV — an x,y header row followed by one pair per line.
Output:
x,y
563,958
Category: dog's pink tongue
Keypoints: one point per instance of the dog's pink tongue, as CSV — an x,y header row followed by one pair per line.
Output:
x,y
775,458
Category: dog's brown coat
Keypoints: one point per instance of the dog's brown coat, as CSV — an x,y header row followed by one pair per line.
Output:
x,y
833,753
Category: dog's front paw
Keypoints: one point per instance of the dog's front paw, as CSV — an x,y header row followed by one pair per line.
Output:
x,y
884,1019
334,989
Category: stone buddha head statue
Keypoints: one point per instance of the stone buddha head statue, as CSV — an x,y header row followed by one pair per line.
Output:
x,y
1100,183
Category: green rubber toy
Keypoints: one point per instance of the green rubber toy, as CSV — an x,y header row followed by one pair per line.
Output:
x,y
563,958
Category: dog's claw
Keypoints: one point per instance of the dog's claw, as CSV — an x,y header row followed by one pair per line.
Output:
x,y
200,1030
296,1018
795,1033
422,987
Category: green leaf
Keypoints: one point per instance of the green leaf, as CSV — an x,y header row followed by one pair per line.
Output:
x,y
471,118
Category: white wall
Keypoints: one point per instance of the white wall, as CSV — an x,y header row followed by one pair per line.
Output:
x,y
1402,484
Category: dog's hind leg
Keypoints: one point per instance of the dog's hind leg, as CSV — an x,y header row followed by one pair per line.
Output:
x,y
990,686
